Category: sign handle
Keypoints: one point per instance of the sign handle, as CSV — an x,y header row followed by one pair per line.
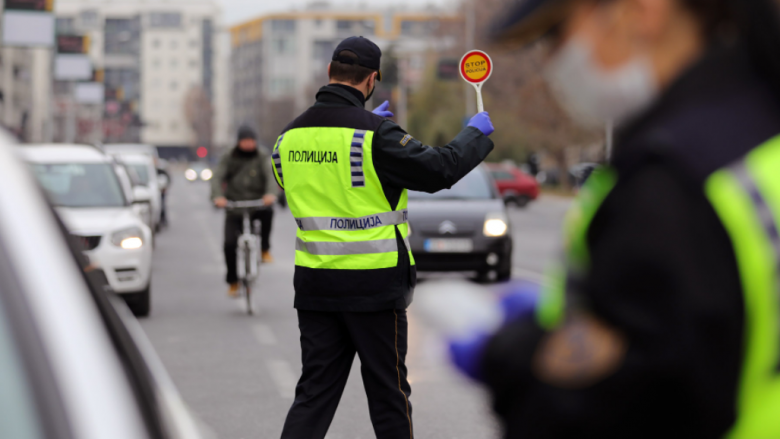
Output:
x,y
480,104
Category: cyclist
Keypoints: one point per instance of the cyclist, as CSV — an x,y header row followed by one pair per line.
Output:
x,y
244,174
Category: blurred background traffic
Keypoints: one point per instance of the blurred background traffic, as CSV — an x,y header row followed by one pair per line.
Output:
x,y
122,109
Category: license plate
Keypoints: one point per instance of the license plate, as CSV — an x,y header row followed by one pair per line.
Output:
x,y
449,245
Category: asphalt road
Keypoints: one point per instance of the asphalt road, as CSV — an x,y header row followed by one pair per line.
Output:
x,y
238,373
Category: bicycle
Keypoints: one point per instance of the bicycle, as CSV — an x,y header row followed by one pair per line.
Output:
x,y
248,250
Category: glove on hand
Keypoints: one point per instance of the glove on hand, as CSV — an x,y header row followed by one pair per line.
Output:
x,y
519,301
482,122
466,352
382,110
466,355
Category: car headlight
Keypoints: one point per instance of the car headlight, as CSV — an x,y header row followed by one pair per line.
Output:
x,y
190,175
129,239
206,174
496,224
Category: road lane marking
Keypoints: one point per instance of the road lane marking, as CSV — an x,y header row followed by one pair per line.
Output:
x,y
284,377
264,334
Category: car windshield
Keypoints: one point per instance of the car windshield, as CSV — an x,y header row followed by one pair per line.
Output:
x,y
80,185
142,172
474,186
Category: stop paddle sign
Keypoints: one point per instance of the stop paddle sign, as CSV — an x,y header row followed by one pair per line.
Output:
x,y
475,68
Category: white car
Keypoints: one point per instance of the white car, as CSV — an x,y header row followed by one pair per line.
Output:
x,y
74,363
142,168
132,148
92,195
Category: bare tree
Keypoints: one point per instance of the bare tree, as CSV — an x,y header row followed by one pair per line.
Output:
x,y
199,112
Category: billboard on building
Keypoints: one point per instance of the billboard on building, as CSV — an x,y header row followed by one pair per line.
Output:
x,y
89,93
28,28
72,67
29,5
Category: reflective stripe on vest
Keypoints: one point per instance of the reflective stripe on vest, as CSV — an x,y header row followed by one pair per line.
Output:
x,y
356,158
348,248
278,162
367,222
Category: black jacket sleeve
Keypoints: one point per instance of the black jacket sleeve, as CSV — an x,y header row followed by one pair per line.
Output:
x,y
664,276
404,162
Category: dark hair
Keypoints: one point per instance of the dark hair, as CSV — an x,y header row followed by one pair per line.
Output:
x,y
350,73
754,23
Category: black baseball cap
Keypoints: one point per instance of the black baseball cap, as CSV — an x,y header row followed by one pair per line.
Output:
x,y
368,54
528,20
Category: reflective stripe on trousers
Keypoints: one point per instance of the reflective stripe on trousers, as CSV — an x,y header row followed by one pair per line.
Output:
x,y
349,248
367,222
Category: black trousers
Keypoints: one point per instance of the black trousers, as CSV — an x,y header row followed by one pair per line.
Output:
x,y
234,227
329,341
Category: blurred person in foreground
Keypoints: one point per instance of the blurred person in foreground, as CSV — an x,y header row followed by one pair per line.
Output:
x,y
244,174
664,320
346,172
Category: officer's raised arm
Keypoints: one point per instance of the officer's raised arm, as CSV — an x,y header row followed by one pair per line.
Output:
x,y
403,161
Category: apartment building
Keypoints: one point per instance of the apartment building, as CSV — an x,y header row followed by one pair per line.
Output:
x,y
280,60
160,63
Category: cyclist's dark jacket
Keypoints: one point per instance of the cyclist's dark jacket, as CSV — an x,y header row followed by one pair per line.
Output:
x,y
401,162
663,271
242,176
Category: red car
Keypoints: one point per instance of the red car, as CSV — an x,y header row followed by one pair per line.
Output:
x,y
515,186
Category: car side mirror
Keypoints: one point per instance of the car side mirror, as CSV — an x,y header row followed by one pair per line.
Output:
x,y
142,194
162,181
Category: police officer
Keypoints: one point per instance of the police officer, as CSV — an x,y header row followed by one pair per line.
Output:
x,y
664,320
345,171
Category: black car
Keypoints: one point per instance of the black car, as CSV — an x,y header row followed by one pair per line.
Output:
x,y
465,228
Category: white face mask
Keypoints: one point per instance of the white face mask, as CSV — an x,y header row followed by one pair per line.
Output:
x,y
592,95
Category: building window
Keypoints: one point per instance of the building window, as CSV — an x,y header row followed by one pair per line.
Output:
x,y
174,85
89,19
165,19
282,86
283,46
285,26
194,63
174,44
65,26
174,126
174,63
122,36
156,43
194,44
323,50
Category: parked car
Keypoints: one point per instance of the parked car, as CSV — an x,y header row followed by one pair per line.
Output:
x,y
515,186
144,173
465,228
74,363
92,194
198,171
133,148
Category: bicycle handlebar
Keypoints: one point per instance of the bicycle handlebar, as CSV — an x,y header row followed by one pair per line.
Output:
x,y
245,204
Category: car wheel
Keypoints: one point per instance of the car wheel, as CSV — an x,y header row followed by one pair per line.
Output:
x,y
522,200
140,303
504,275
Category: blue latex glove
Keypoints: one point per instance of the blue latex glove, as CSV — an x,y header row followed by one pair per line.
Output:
x,y
382,110
466,355
520,300
482,122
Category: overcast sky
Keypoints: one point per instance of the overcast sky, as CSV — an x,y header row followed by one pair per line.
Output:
x,y
237,11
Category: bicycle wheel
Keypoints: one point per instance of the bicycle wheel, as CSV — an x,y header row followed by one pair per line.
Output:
x,y
248,296
247,283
